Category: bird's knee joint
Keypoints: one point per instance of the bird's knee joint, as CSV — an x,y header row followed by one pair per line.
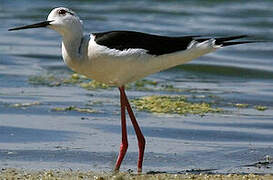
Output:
x,y
124,145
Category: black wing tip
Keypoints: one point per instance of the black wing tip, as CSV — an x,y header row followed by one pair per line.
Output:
x,y
229,38
224,44
228,41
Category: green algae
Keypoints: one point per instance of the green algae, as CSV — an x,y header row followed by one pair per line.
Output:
x,y
75,79
170,88
173,104
45,80
257,107
240,105
145,82
24,105
261,108
53,80
74,108
94,85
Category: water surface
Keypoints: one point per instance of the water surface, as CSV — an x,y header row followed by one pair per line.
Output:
x,y
36,137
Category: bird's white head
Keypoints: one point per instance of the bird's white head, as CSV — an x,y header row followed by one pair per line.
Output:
x,y
62,20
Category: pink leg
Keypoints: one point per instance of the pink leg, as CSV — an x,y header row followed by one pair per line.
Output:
x,y
124,141
140,137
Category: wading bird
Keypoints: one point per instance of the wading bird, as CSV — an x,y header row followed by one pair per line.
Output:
x,y
119,57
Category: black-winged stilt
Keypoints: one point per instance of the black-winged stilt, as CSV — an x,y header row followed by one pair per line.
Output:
x,y
120,57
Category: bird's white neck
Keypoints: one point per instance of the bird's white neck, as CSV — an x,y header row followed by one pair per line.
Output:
x,y
71,49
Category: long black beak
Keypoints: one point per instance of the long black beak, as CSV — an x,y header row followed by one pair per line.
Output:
x,y
37,25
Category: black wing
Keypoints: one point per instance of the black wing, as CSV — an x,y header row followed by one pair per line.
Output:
x,y
155,44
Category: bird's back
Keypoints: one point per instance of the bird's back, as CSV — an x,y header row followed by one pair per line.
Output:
x,y
154,44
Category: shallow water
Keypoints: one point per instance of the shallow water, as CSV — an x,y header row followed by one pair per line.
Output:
x,y
36,137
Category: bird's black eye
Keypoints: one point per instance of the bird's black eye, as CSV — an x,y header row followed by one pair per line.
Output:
x,y
62,12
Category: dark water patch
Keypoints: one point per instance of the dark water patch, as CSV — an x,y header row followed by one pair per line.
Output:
x,y
193,134
20,44
176,162
9,81
253,126
197,171
7,60
9,134
40,56
251,99
57,156
57,68
263,50
149,10
226,71
191,171
94,18
105,157
267,162
55,110
6,96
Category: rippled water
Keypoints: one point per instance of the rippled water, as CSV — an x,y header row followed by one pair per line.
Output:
x,y
225,142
